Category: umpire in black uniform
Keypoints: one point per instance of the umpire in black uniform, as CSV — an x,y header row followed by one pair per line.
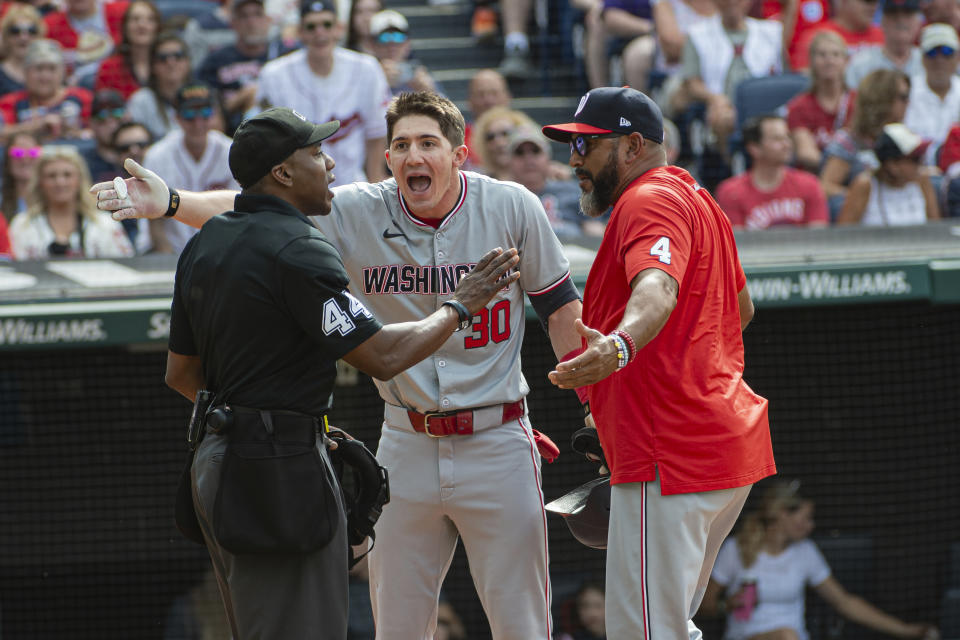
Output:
x,y
261,313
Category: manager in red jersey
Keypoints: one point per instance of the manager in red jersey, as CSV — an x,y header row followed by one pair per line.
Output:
x,y
664,307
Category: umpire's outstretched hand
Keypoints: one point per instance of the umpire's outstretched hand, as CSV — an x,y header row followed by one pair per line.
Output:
x,y
491,274
147,197
593,365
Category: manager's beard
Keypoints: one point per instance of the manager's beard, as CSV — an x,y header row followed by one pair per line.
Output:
x,y
594,203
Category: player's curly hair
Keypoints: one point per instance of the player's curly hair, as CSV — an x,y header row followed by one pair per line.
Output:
x,y
431,105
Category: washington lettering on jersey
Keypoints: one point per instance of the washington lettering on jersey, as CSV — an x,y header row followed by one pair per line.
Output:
x,y
414,278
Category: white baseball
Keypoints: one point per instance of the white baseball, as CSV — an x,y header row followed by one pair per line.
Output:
x,y
120,187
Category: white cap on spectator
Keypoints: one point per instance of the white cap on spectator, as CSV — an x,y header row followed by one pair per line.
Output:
x,y
527,134
388,19
897,141
43,51
939,35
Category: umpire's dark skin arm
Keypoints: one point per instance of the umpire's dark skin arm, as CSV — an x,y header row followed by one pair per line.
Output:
x,y
397,346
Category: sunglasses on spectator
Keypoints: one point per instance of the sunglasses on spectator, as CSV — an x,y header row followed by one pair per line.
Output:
x,y
493,135
581,144
388,37
193,114
942,50
125,148
25,152
527,150
173,55
313,26
16,30
103,114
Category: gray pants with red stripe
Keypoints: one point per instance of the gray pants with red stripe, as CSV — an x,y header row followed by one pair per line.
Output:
x,y
660,552
483,488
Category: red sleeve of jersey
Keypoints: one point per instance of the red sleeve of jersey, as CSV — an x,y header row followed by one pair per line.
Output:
x,y
653,231
8,107
950,151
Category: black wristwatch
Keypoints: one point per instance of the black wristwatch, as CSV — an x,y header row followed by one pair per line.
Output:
x,y
465,318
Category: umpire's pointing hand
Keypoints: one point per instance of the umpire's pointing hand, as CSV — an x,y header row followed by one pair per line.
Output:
x,y
593,365
147,197
483,282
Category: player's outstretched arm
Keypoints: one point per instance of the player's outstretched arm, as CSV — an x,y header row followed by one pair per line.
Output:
x,y
399,346
652,301
148,197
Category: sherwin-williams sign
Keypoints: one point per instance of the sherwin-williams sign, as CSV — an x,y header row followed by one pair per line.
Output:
x,y
839,285
78,324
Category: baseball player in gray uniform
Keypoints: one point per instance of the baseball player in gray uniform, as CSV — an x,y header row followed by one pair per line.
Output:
x,y
456,438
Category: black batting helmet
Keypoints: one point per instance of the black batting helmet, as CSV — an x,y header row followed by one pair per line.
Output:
x,y
586,510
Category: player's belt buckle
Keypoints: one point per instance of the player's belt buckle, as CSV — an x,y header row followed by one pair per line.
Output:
x,y
426,423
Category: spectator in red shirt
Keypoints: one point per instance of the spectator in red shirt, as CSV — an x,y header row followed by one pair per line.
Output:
x,y
771,193
814,115
129,69
853,21
20,26
87,30
46,107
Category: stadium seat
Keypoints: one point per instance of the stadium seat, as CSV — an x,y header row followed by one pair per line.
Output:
x,y
185,8
759,96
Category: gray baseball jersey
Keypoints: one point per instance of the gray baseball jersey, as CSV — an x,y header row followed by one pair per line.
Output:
x,y
469,486
403,269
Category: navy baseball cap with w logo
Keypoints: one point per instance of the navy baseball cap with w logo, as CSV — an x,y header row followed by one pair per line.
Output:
x,y
612,110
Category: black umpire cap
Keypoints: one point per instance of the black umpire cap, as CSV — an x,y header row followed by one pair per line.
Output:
x,y
612,110
268,138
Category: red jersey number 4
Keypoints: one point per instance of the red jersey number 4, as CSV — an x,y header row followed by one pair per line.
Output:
x,y
661,249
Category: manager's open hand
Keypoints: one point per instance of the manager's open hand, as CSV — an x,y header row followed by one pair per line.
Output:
x,y
593,365
147,197
478,287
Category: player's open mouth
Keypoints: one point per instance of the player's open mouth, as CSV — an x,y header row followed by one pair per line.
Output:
x,y
418,184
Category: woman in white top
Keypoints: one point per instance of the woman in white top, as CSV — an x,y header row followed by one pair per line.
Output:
x,y
62,219
772,552
897,193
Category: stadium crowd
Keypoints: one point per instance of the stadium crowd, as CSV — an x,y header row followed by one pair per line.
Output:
x,y
793,112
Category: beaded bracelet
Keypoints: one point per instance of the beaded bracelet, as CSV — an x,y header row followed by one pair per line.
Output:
x,y
623,355
630,343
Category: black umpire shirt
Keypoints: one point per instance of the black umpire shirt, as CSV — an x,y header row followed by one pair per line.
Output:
x,y
261,296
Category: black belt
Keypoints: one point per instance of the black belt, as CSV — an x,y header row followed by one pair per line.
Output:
x,y
247,424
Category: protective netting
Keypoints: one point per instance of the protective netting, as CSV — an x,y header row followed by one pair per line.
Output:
x,y
864,408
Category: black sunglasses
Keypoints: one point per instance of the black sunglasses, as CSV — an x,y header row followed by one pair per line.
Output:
x,y
580,144
132,145
173,55
313,26
16,30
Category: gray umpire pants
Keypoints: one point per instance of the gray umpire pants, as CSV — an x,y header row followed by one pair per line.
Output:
x,y
274,596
